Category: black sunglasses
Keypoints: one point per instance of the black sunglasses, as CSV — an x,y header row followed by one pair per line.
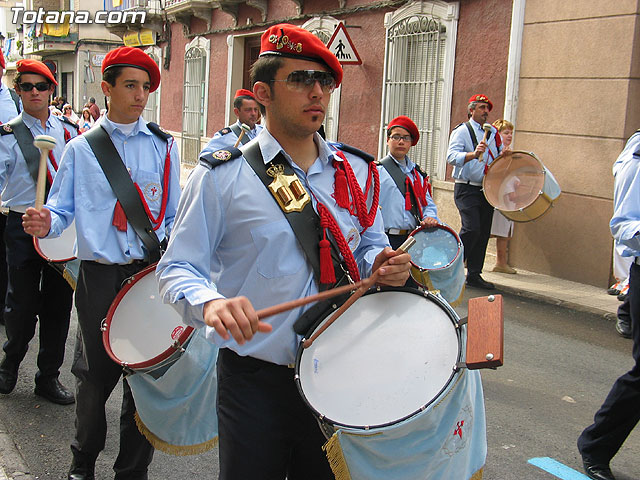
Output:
x,y
27,87
302,80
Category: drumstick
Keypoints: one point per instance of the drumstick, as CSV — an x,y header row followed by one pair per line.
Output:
x,y
366,284
245,128
45,144
487,131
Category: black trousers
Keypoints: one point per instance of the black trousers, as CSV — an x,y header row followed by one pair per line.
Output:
x,y
36,291
97,375
3,265
476,215
620,412
266,430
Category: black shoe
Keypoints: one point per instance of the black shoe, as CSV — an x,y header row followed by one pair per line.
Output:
x,y
81,476
623,327
613,291
597,471
54,391
479,282
8,380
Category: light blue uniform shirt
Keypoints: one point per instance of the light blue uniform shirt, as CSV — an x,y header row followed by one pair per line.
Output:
x,y
625,223
460,144
17,184
231,238
7,105
82,191
392,202
220,141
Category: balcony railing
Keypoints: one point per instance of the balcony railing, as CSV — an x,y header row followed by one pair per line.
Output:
x,y
50,44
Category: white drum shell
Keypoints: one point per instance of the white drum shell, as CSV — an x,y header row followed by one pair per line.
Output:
x,y
58,249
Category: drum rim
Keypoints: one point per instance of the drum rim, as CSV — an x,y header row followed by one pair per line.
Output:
x,y
453,316
36,245
450,230
520,209
158,359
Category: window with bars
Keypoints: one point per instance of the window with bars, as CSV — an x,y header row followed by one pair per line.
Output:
x,y
150,112
416,83
193,107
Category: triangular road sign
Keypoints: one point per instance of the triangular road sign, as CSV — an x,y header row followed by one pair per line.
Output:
x,y
342,47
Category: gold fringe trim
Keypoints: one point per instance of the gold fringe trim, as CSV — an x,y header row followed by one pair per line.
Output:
x,y
477,475
458,301
336,458
69,278
177,450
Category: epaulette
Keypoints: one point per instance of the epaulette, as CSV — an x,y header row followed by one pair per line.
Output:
x,y
224,131
354,151
458,125
420,171
213,159
69,122
159,131
6,129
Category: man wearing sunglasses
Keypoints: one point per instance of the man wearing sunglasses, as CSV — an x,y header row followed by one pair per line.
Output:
x,y
35,291
233,251
247,111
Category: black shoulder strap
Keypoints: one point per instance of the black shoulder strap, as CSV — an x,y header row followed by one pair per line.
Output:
x,y
31,154
159,132
122,185
69,122
354,151
474,140
305,224
399,177
16,99
237,130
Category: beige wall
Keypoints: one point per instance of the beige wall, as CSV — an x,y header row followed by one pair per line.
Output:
x,y
577,105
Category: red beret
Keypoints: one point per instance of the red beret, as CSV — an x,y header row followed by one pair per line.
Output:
x,y
295,42
35,66
243,92
479,97
406,123
3,64
136,58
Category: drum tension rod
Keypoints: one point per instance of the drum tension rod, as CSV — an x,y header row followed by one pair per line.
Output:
x,y
463,321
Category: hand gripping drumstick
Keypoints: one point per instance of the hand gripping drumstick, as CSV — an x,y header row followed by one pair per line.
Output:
x,y
487,131
45,144
245,128
365,285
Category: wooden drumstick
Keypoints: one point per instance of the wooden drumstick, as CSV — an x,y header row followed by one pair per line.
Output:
x,y
245,128
487,131
366,284
45,144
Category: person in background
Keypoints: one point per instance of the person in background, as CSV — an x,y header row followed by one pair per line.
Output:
x,y
501,226
93,108
68,112
86,121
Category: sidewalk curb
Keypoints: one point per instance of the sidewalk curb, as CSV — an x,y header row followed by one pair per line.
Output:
x,y
556,301
12,464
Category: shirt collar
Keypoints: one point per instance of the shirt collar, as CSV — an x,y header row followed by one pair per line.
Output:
x,y
110,127
30,121
270,147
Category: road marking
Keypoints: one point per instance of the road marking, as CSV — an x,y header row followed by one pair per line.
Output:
x,y
557,469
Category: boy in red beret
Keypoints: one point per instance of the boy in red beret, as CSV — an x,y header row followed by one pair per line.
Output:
x,y
250,257
111,245
247,112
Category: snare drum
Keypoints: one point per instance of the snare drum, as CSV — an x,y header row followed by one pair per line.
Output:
x,y
386,385
58,249
437,261
140,332
520,186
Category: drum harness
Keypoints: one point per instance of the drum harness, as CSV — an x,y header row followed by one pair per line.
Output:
x,y
399,177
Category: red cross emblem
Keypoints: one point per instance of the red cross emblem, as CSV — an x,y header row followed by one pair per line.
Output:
x,y
458,430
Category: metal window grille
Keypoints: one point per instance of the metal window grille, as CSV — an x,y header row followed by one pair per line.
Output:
x,y
150,112
414,82
193,105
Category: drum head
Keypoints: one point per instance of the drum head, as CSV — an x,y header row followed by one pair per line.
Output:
x,y
514,181
435,248
391,353
59,249
140,329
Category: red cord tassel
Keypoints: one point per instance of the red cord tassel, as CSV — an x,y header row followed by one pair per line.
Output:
x,y
119,218
327,275
407,195
67,135
341,191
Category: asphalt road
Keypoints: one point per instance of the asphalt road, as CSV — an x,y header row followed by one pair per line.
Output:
x,y
559,366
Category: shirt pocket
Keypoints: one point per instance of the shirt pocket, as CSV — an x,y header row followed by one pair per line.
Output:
x,y
151,187
95,192
278,250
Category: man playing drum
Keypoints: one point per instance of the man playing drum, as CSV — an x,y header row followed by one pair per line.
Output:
x,y
233,250
35,290
109,245
246,109
471,151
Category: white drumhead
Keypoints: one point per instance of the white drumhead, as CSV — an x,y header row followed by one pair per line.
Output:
x,y
389,354
142,327
59,249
